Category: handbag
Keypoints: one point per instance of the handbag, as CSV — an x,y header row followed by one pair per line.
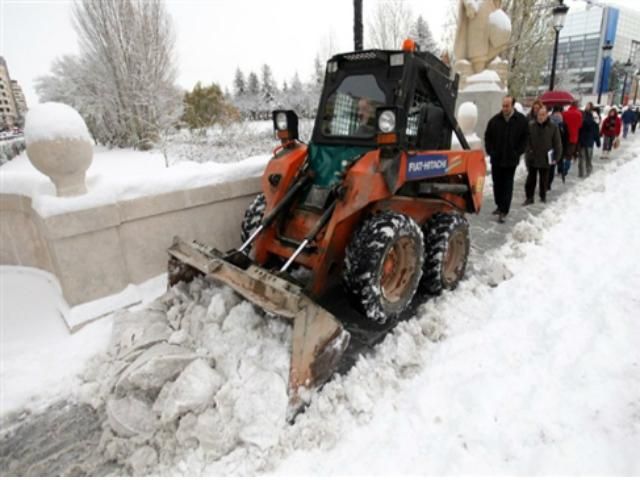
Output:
x,y
616,142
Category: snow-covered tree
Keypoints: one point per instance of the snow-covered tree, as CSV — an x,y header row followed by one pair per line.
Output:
x,y
268,86
530,44
318,71
206,106
390,24
253,84
421,33
239,84
123,81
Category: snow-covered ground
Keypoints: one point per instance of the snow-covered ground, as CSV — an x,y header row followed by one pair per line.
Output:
x,y
537,375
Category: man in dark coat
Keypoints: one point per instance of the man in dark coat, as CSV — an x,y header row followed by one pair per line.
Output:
x,y
589,135
505,141
544,149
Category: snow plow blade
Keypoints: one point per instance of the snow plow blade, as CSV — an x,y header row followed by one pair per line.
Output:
x,y
319,339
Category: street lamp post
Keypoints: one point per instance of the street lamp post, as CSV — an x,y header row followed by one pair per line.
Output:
x,y
559,15
606,53
627,70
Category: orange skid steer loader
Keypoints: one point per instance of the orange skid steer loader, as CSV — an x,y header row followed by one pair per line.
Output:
x,y
375,203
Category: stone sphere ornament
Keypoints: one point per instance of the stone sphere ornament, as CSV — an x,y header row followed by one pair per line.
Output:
x,y
59,145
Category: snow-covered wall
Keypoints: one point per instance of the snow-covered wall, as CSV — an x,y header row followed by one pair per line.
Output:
x,y
100,251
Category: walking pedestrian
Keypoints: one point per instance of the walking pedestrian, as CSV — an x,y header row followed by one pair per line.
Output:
x,y
589,134
573,120
610,131
636,119
557,119
533,113
544,149
505,140
628,116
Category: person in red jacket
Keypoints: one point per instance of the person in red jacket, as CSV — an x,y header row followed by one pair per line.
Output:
x,y
610,130
572,118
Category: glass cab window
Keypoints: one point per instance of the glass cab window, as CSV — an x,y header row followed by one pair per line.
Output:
x,y
350,110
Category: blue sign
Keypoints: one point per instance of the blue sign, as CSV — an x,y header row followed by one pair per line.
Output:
x,y
425,166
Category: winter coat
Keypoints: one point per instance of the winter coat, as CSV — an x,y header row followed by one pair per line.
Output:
x,y
564,134
628,116
505,141
611,127
542,138
573,120
637,119
589,132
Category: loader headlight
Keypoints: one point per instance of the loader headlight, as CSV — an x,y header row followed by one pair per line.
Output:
x,y
281,121
285,123
387,121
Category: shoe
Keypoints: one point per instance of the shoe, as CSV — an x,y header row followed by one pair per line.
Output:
x,y
528,201
501,217
543,200
496,212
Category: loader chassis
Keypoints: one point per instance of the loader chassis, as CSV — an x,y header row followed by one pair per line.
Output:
x,y
375,202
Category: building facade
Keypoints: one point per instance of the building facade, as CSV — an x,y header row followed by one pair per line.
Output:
x,y
581,66
13,105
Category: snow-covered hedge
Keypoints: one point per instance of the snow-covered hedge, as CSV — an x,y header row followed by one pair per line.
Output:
x,y
11,148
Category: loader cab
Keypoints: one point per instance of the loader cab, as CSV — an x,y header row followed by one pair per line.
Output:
x,y
375,92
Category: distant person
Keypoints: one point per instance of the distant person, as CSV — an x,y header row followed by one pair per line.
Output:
x,y
557,118
636,119
589,135
533,113
610,131
505,140
544,149
628,116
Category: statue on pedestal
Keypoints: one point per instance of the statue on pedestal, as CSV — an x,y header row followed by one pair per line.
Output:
x,y
483,32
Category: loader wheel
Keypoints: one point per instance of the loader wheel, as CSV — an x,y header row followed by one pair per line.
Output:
x,y
253,216
446,239
383,266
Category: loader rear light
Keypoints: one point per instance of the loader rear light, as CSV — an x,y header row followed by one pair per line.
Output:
x,y
285,123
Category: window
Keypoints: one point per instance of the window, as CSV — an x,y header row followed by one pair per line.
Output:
x,y
350,110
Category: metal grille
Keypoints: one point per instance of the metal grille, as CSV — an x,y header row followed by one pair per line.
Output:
x,y
360,56
414,114
344,119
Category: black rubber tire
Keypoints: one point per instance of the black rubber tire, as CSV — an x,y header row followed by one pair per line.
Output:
x,y
364,263
440,233
253,216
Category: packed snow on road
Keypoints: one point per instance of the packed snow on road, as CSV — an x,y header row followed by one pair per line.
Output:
x,y
530,367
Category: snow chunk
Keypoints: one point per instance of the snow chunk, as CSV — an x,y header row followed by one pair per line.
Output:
x,y
192,391
262,421
155,367
131,416
52,121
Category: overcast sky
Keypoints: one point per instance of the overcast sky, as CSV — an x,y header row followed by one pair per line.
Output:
x,y
214,37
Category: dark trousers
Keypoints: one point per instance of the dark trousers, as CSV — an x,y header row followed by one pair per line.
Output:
x,y
503,186
530,184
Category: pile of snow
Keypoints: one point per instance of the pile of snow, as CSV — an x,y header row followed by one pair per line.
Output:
x,y
197,369
52,120
119,175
